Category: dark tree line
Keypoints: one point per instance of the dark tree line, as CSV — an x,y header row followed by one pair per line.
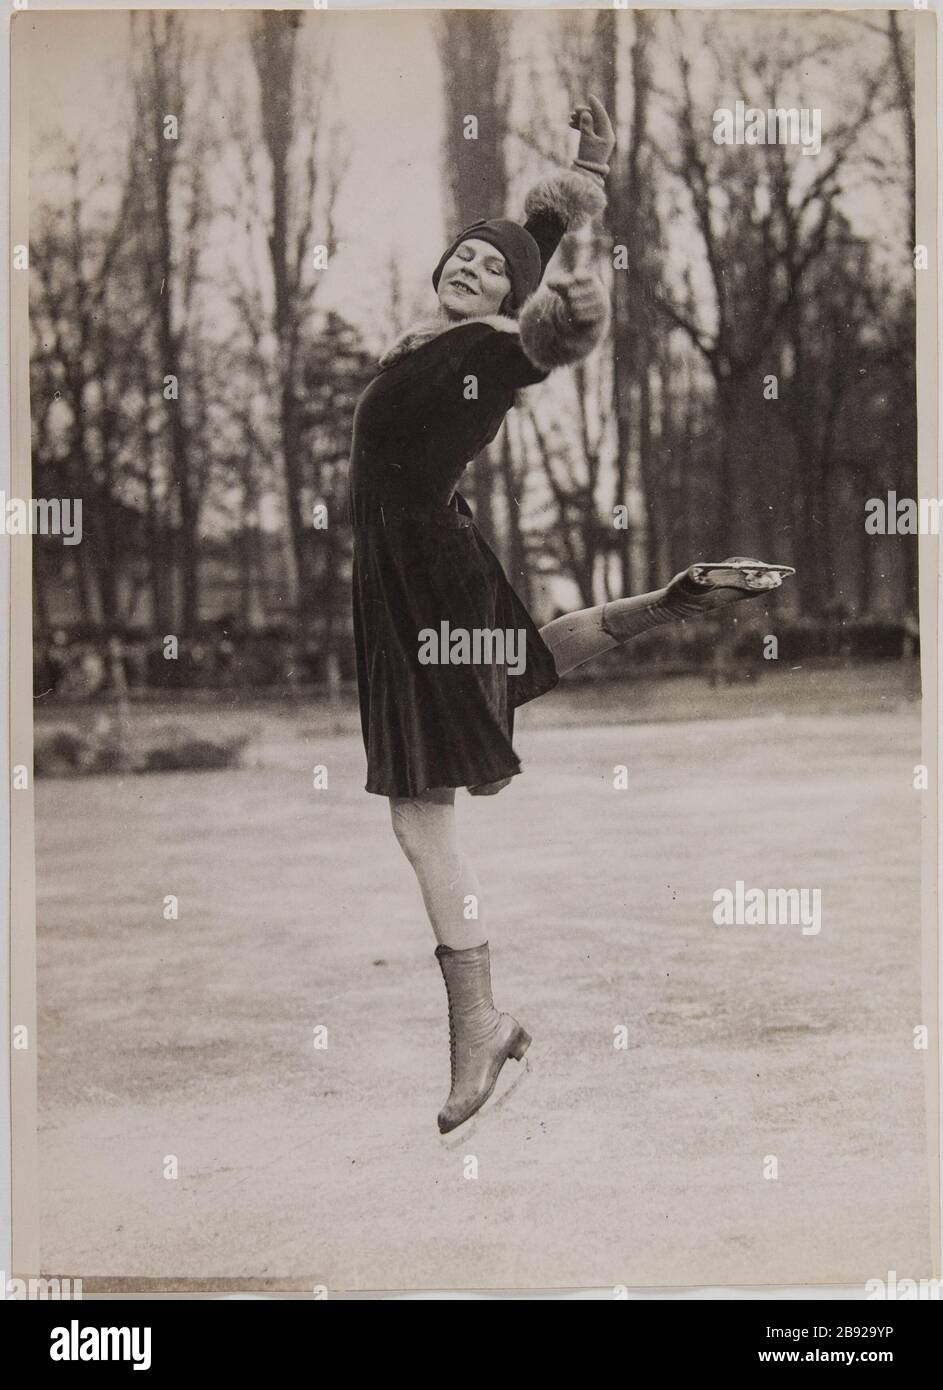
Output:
x,y
188,384
760,381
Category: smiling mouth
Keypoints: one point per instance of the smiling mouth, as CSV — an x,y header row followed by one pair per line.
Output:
x,y
462,285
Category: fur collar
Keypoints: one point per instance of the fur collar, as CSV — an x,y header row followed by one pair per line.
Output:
x,y
437,324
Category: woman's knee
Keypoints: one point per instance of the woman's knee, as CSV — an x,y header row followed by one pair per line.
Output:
x,y
422,825
405,826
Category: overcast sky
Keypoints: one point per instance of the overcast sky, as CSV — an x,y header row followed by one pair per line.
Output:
x,y
388,99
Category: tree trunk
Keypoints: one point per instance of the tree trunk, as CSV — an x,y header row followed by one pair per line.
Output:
x,y
516,550
275,59
472,49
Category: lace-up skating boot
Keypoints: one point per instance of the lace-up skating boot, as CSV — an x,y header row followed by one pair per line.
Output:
x,y
480,1039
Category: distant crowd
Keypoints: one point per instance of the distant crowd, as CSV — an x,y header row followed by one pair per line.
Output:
x,y
85,665
77,666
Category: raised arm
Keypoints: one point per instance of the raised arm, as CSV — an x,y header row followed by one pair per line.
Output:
x,y
565,201
562,321
567,317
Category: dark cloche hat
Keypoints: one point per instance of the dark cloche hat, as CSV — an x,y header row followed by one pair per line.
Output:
x,y
516,245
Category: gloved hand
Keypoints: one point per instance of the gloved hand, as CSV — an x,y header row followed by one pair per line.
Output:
x,y
597,137
584,299
564,321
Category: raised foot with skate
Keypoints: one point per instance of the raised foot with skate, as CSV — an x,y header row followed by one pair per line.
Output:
x,y
709,584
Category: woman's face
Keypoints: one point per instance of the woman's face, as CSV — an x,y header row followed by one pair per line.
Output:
x,y
474,281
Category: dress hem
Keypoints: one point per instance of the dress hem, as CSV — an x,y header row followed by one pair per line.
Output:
x,y
443,786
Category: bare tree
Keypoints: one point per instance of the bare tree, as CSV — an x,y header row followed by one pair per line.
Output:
x,y
84,354
632,222
473,47
304,177
170,210
761,228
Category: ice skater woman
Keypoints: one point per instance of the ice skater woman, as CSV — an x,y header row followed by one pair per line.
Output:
x,y
433,725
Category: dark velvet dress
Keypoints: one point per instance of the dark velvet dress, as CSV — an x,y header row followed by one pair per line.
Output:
x,y
419,561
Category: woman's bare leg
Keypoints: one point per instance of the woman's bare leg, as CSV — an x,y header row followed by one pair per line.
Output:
x,y
480,1038
577,637
427,833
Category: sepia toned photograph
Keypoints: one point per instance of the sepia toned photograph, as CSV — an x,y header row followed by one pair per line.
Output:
x,y
474,757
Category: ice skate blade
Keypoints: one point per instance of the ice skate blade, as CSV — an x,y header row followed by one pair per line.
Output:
x,y
457,1138
750,576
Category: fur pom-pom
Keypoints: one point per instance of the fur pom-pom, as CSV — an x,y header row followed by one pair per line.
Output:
x,y
549,338
573,197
